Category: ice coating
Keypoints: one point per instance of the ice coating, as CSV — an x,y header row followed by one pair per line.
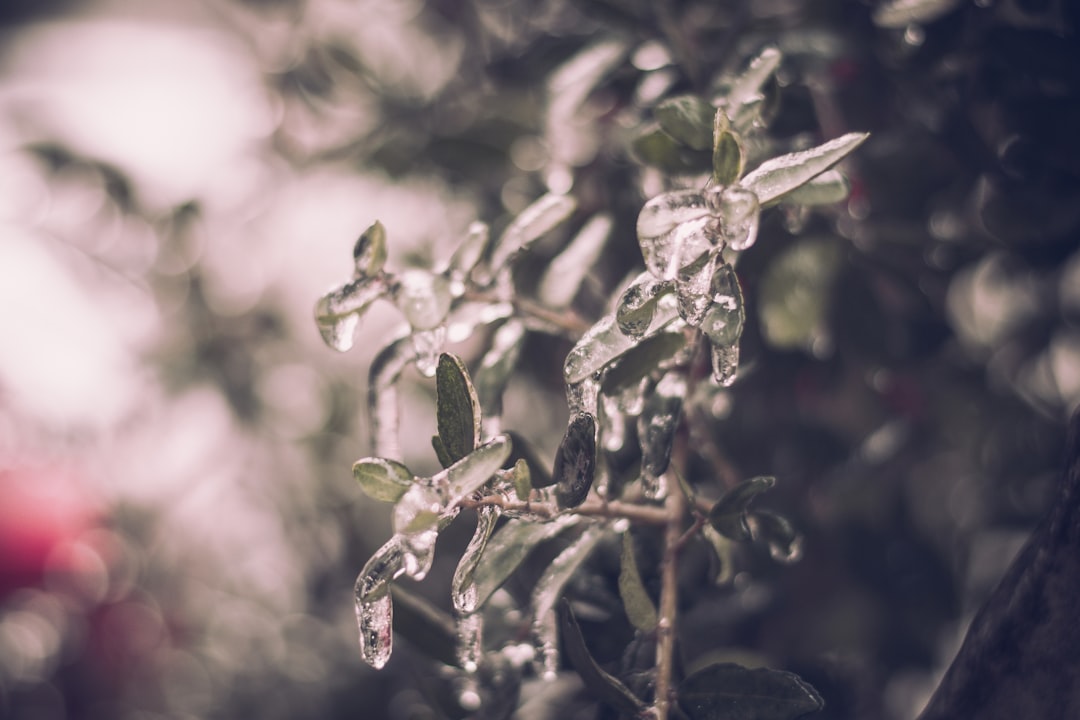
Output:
x,y
533,222
692,288
725,363
779,175
724,319
463,591
604,342
637,304
657,424
740,214
666,211
423,298
338,312
383,409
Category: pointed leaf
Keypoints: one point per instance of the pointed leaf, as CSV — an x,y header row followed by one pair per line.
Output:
x,y
463,586
338,312
471,249
564,274
656,148
468,474
382,479
749,84
457,408
441,453
727,152
829,187
658,422
636,601
605,687
539,474
724,320
732,692
728,514
604,342
522,479
575,462
497,365
782,174
688,119
643,359
369,252
533,222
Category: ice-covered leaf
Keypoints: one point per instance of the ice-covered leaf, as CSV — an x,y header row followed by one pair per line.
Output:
x,y
533,222
655,148
418,509
505,552
688,119
640,361
727,158
383,409
724,319
731,692
603,686
728,514
382,479
468,474
562,279
457,411
369,252
604,342
748,86
795,292
539,473
784,541
637,304
725,363
829,187
575,462
692,288
637,603
899,14
666,211
739,217
782,174
423,298
338,312
441,453
658,422
469,252
463,587
497,365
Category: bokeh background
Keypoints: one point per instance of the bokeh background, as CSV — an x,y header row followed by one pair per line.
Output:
x,y
179,529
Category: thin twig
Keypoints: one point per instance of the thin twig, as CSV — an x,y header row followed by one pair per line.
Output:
x,y
614,509
675,509
566,320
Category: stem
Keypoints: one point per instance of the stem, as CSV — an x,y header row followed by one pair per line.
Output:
x,y
675,508
566,320
642,514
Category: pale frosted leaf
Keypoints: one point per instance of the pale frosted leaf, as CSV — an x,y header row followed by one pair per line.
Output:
x,y
382,479
692,288
561,280
829,187
663,213
423,298
779,175
464,318
369,252
901,13
463,590
533,222
636,601
740,214
637,304
746,87
338,312
418,509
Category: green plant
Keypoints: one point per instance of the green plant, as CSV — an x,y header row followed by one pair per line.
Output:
x,y
637,381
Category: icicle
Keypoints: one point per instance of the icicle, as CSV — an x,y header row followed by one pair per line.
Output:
x,y
581,397
548,591
428,344
382,395
375,618
533,222
338,312
470,641
692,288
656,429
739,215
566,270
463,588
725,363
637,304
423,298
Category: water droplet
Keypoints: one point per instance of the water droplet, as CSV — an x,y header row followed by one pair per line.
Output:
x,y
375,619
692,288
423,298
739,217
725,363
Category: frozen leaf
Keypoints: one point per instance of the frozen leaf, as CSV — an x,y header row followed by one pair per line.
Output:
x,y
747,87
463,588
739,217
785,544
827,188
725,363
496,366
723,322
899,14
441,453
338,312
637,304
420,548
692,288
728,157
663,213
428,344
782,174
550,588
795,292
384,566
642,360
382,479
469,252
600,344
566,270
731,692
637,603
688,119
655,148
369,252
467,316
457,408
383,407
505,552
658,422
468,474
575,462
581,396
604,687
728,514
418,509
533,222
423,298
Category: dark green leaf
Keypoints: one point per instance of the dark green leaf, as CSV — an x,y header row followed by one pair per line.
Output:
x,y
522,479
688,119
604,687
441,452
656,148
727,157
425,626
575,462
369,252
637,603
732,692
728,515
457,408
382,479
643,359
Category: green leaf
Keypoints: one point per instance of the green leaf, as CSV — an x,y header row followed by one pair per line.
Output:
x,y
636,601
827,188
369,252
688,119
728,514
522,479
656,148
606,688
644,358
441,452
539,473
782,174
732,692
727,151
575,462
382,479
457,408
